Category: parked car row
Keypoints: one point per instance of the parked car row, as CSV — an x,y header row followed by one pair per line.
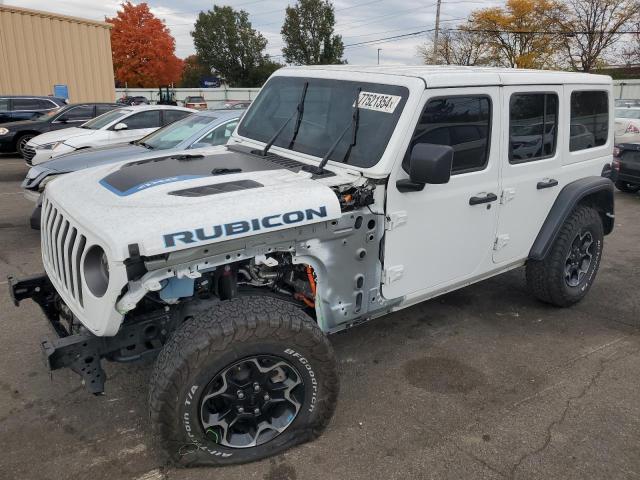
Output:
x,y
192,134
117,126
14,136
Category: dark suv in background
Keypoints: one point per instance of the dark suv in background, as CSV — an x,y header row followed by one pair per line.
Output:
x,y
27,106
15,135
626,167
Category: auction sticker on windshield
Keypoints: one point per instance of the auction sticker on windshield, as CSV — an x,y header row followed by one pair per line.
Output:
x,y
379,102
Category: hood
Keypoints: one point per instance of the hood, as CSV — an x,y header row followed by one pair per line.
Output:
x,y
24,124
96,156
62,135
173,203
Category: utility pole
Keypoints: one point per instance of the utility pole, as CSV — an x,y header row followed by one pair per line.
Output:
x,y
379,56
435,36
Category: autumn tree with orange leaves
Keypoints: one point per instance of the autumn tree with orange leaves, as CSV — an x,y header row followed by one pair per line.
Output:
x,y
143,49
521,34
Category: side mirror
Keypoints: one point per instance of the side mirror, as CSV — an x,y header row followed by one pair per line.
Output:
x,y
120,126
429,163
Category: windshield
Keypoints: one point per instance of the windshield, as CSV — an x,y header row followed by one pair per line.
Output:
x,y
195,99
48,114
176,132
328,110
627,113
105,119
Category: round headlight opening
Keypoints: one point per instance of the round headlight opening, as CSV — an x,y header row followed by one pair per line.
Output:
x,y
96,271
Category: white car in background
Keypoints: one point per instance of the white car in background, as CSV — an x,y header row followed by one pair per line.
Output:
x,y
117,126
627,125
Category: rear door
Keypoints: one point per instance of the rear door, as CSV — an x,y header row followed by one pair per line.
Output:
x,y
531,163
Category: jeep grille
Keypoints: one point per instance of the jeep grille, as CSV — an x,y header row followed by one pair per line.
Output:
x,y
62,247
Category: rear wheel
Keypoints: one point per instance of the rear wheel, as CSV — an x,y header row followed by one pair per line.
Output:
x,y
22,141
566,274
245,380
627,187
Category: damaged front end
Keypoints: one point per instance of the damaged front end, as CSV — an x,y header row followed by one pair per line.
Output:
x,y
78,349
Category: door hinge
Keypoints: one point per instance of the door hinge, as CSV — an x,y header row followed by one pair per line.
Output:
x,y
501,241
392,274
508,194
395,219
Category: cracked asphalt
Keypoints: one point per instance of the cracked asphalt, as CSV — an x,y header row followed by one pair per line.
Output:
x,y
483,383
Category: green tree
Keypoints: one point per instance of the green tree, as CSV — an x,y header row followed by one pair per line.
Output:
x,y
194,71
308,34
225,40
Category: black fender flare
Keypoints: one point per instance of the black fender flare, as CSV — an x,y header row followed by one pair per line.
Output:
x,y
594,191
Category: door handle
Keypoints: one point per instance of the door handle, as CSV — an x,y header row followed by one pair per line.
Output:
x,y
489,197
547,183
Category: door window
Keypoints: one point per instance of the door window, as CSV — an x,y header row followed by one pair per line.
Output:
x,y
171,116
590,110
4,104
77,114
148,119
460,122
220,134
533,126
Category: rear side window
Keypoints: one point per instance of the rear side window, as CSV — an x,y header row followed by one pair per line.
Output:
x,y
148,119
460,122
533,126
171,116
589,109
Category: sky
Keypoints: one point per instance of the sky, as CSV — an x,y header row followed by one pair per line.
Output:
x,y
356,20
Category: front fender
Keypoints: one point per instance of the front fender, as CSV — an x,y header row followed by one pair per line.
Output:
x,y
594,191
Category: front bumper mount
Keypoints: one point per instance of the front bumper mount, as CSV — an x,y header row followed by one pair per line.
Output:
x,y
82,351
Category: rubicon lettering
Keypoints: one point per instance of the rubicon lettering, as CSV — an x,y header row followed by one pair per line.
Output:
x,y
242,226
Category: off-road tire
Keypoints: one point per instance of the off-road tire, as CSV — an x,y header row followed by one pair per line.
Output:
x,y
206,344
546,278
627,187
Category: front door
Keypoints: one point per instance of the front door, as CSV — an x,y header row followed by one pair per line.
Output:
x,y
444,234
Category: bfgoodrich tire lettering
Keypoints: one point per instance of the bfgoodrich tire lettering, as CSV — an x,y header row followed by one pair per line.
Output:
x,y
207,345
548,279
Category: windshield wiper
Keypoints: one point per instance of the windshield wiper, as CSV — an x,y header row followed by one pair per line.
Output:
x,y
145,145
297,111
300,111
353,125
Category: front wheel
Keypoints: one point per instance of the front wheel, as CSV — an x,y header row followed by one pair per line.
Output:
x,y
566,274
22,141
245,380
627,187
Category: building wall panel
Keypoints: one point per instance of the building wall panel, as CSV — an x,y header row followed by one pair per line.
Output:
x,y
40,49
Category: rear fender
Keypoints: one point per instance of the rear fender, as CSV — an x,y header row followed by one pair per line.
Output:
x,y
596,192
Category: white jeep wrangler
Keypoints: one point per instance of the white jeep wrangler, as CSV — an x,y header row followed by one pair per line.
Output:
x,y
345,194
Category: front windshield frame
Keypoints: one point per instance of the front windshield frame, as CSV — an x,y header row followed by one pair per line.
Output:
x,y
201,121
336,113
103,121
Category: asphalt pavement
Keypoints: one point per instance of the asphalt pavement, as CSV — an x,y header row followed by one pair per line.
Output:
x,y
482,383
